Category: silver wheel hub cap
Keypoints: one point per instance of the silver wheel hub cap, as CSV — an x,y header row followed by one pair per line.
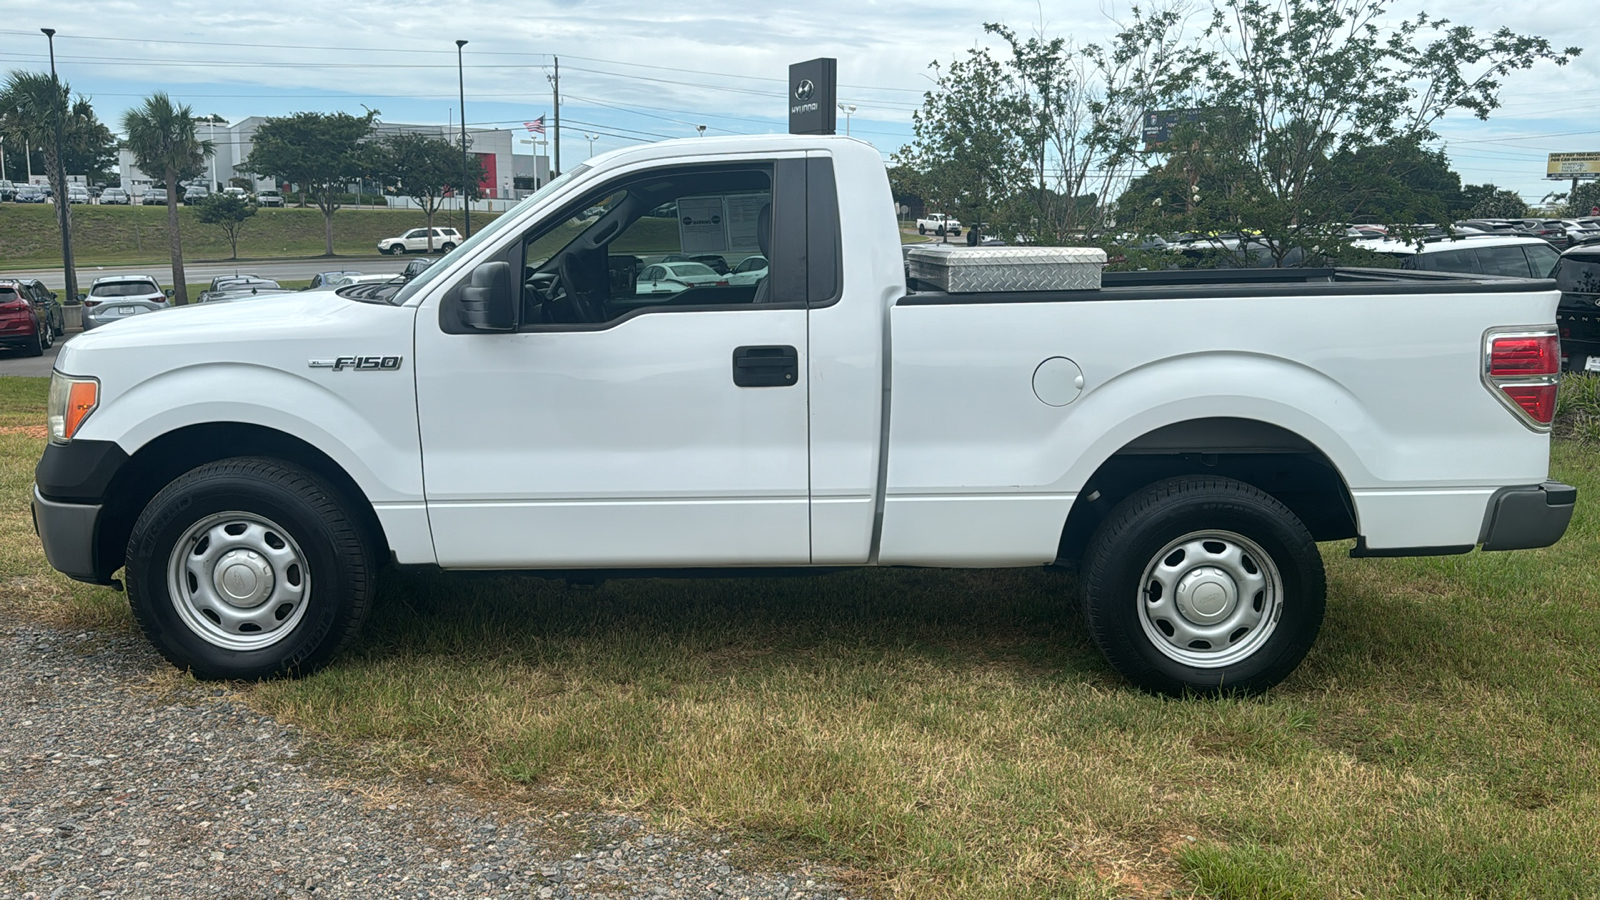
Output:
x,y
238,580
1210,599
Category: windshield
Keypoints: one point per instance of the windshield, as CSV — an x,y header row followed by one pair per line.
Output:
x,y
500,222
124,289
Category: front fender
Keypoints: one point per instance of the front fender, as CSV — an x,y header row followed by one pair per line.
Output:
x,y
364,421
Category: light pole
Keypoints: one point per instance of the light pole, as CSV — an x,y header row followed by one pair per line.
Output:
x,y
849,111
466,193
2,159
63,208
591,138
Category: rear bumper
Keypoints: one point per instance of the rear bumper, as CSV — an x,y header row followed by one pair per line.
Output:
x,y
1522,518
68,532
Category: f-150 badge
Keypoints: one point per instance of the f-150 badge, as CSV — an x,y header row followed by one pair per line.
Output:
x,y
359,363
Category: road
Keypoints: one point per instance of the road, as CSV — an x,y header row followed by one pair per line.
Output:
x,y
12,362
281,270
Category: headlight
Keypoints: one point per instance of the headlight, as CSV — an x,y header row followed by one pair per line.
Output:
x,y
71,401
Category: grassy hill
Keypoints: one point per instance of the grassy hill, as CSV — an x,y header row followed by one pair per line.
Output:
x,y
130,234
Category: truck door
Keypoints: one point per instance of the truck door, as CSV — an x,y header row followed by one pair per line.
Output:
x,y
614,426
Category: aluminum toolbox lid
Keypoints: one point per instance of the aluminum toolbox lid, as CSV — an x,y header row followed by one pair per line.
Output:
x,y
959,269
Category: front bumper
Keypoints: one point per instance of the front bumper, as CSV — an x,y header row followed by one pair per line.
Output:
x,y
1522,518
68,532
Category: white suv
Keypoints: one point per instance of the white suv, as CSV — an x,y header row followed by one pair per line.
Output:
x,y
416,241
1490,254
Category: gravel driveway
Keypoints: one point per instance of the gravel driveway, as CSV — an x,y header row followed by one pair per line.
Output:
x,y
110,787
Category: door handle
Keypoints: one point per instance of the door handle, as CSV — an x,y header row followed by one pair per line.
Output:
x,y
766,366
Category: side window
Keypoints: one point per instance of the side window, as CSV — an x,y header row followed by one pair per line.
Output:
x,y
664,241
1449,261
1542,260
416,233
1503,261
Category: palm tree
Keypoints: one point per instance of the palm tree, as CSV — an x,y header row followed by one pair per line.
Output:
x,y
31,103
162,138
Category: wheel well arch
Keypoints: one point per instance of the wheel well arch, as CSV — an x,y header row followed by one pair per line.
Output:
x,y
161,460
1285,465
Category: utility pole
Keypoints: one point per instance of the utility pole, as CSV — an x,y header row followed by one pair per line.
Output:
x,y
466,188
556,85
63,208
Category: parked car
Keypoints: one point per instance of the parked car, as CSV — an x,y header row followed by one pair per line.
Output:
x,y
8,191
269,198
750,270
154,196
114,197
31,193
1517,256
416,241
1578,315
676,277
328,279
239,293
939,223
77,194
235,284
21,327
117,297
717,263
194,193
416,267
234,190
44,300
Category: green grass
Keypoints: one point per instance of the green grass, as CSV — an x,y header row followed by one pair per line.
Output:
x,y
953,733
130,234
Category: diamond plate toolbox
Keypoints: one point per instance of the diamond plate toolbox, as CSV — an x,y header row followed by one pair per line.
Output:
x,y
971,270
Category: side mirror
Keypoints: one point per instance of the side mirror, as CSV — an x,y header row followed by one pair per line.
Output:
x,y
168,292
487,302
82,296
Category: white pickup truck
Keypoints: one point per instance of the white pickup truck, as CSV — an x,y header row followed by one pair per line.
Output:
x,y
939,223
1184,438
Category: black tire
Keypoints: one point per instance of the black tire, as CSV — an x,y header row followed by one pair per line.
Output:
x,y
447,247
397,249
922,229
1151,534
47,339
336,585
36,348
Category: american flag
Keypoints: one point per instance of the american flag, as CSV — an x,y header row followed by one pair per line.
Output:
x,y
536,126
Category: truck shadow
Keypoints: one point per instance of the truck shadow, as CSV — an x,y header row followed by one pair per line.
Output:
x,y
1027,619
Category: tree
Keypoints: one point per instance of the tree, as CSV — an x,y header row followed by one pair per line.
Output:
x,y
1054,127
1287,88
321,152
228,212
1489,202
422,167
32,106
161,136
87,146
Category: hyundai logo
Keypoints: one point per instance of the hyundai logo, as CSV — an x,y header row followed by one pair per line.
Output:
x,y
804,90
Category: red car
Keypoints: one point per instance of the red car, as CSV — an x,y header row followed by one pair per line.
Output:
x,y
20,324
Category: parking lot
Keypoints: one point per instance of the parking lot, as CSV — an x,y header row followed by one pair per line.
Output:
x,y
16,362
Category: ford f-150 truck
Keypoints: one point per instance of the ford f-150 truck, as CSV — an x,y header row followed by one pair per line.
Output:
x,y
1184,438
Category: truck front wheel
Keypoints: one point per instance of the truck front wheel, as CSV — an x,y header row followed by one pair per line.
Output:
x,y
249,568
1205,586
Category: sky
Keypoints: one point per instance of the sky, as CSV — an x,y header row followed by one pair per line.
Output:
x,y
642,71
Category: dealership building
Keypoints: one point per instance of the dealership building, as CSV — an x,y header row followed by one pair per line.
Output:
x,y
492,146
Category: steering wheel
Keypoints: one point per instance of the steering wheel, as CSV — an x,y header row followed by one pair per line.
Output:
x,y
574,282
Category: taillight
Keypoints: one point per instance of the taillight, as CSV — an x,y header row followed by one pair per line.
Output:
x,y
1522,370
89,302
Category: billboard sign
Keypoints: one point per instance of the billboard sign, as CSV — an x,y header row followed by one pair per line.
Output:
x,y
814,97
1159,123
1566,166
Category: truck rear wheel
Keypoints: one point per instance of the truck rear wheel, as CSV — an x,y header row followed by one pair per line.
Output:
x,y
1205,586
249,568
